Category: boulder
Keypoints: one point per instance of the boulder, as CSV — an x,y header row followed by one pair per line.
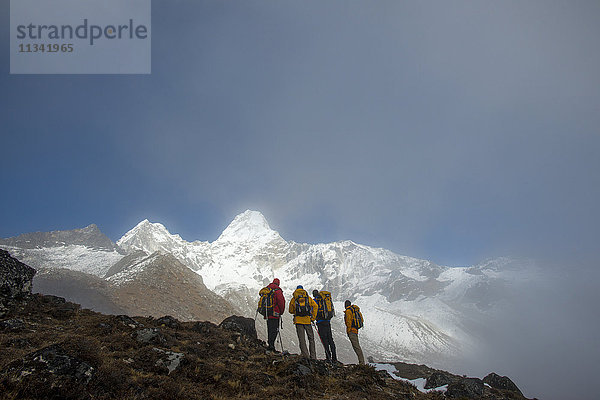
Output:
x,y
302,370
501,382
169,359
52,300
203,327
440,378
168,321
243,325
15,277
51,365
128,321
471,388
149,335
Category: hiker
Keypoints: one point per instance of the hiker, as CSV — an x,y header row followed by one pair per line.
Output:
x,y
325,312
271,307
354,321
304,310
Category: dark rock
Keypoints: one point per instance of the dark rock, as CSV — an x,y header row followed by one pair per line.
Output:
x,y
128,321
104,327
501,382
169,359
14,324
242,325
50,362
168,321
203,327
439,378
466,387
15,277
321,367
53,300
67,310
149,335
302,370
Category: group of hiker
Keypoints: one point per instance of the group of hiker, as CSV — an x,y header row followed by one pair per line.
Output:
x,y
309,311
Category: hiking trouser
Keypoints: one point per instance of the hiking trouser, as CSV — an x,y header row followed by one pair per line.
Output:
x,y
356,346
272,329
301,330
326,336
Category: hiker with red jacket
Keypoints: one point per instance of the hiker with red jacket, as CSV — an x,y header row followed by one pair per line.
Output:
x,y
273,321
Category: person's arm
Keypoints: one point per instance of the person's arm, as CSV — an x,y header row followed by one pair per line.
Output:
x,y
280,301
292,309
314,309
348,320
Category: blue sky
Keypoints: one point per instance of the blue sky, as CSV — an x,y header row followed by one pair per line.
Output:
x,y
452,131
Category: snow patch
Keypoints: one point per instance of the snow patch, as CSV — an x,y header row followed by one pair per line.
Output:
x,y
419,383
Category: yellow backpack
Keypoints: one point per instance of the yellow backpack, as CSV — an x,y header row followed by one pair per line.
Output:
x,y
302,305
266,301
357,318
325,303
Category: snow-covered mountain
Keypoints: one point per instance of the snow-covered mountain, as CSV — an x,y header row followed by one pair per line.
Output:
x,y
84,265
414,309
85,250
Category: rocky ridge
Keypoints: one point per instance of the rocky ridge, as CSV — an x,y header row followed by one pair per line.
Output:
x,y
54,349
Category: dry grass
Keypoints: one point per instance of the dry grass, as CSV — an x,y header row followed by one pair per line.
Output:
x,y
126,369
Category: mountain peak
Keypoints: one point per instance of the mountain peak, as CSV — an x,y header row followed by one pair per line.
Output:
x,y
145,234
249,226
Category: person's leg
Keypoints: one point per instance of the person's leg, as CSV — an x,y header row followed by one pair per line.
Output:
x,y
272,329
311,341
321,327
302,340
356,346
329,343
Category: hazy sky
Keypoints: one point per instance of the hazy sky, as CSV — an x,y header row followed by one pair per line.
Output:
x,y
453,131
448,130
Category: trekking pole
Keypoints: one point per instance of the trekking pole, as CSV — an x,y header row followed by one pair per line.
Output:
x,y
320,338
267,325
281,342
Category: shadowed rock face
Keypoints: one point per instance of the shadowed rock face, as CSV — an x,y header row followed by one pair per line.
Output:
x,y
240,324
471,388
15,277
501,382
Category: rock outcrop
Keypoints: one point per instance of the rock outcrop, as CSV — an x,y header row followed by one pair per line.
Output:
x,y
242,325
501,382
15,281
15,277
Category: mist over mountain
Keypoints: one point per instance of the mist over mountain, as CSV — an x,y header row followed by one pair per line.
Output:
x,y
467,319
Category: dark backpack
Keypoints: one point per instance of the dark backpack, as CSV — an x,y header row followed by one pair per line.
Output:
x,y
325,303
357,318
302,304
266,301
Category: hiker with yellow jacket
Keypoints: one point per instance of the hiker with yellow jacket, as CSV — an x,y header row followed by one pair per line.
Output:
x,y
324,314
354,321
304,310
